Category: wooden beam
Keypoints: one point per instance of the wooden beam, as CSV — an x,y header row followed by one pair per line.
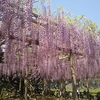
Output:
x,y
2,42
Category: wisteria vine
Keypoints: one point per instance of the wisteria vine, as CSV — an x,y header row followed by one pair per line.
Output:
x,y
44,46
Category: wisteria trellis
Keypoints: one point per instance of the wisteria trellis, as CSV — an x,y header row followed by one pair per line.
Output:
x,y
43,47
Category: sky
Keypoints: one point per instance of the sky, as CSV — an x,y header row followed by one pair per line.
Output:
x,y
89,8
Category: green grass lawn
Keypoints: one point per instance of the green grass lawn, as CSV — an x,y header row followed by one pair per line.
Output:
x,y
81,90
95,90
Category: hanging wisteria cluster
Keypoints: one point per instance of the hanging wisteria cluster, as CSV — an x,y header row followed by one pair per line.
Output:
x,y
43,46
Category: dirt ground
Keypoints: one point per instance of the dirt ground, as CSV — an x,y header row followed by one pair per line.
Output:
x,y
49,98
42,98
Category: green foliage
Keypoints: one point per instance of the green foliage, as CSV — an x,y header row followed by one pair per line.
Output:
x,y
42,1
98,31
36,9
88,24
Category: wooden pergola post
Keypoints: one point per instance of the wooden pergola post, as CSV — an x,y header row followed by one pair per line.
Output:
x,y
73,75
87,85
26,84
